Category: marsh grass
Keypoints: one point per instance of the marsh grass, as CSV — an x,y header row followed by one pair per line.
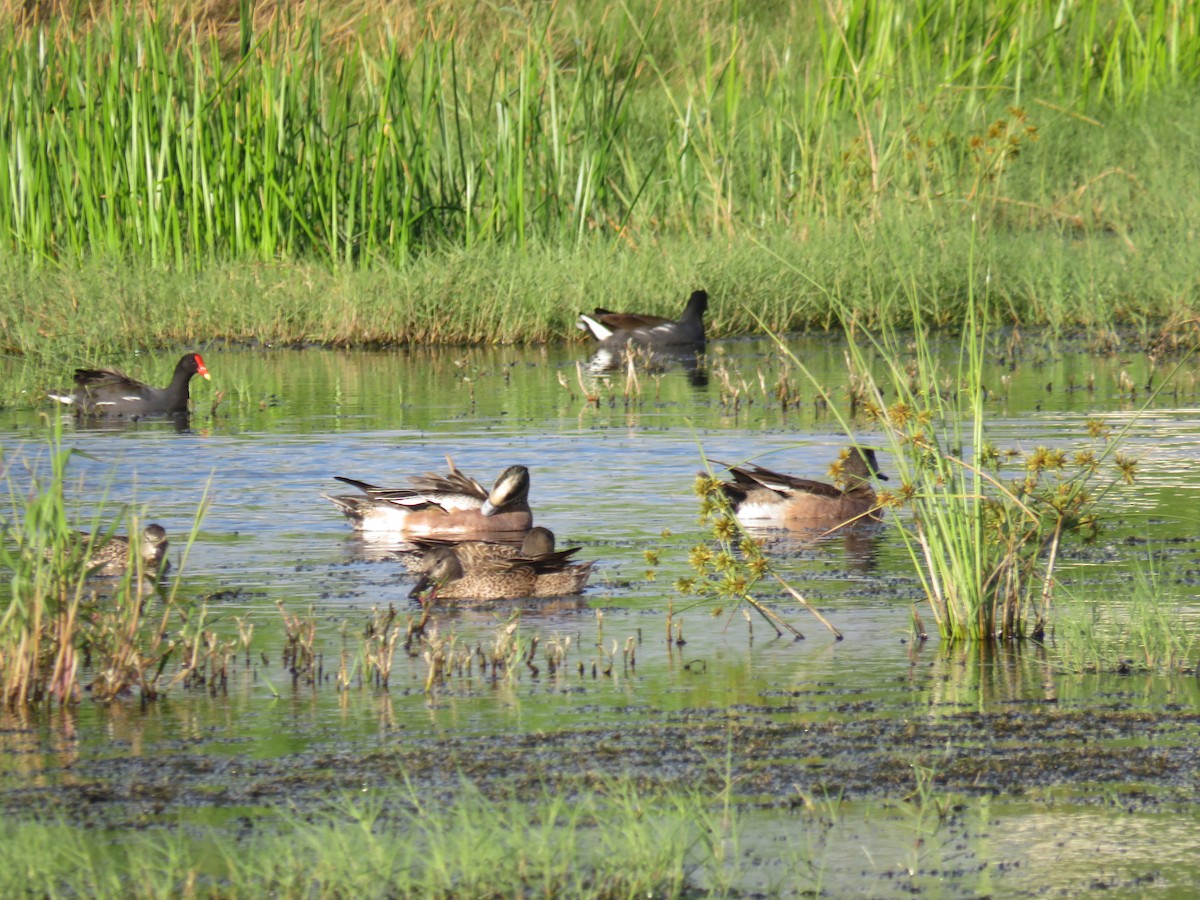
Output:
x,y
615,839
984,540
97,313
493,165
479,175
40,630
1131,625
64,631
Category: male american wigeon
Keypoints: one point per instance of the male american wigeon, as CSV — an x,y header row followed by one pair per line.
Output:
x,y
616,329
111,555
479,571
763,497
453,506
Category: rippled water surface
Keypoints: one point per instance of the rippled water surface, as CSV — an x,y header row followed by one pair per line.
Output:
x,y
614,476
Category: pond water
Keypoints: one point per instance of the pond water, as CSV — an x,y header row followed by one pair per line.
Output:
x,y
874,715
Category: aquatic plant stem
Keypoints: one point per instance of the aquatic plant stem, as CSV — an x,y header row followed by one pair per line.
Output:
x,y
804,602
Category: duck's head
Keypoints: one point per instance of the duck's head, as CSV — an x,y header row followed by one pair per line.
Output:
x,y
856,466
510,489
154,544
538,542
438,566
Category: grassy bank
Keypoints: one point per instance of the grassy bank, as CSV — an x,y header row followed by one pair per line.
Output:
x,y
494,294
358,172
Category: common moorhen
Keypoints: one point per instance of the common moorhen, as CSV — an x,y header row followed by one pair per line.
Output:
x,y
615,329
107,392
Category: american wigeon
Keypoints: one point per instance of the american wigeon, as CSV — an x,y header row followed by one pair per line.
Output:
x,y
616,329
107,392
453,506
110,556
763,497
462,572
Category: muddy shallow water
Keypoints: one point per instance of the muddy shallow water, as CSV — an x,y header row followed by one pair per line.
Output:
x,y
1021,750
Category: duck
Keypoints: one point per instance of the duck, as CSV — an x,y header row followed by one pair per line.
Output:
x,y
617,329
539,543
107,392
452,506
446,576
110,556
763,497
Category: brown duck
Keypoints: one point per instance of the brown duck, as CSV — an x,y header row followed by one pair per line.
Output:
x,y
111,556
763,497
453,506
480,571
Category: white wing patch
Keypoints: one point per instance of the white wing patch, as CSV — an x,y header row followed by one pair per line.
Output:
x,y
600,332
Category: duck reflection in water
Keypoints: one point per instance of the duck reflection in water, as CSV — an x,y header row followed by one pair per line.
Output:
x,y
609,360
851,551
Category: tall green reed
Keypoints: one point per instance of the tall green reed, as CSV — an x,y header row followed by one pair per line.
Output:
x,y
137,136
984,548
128,142
57,620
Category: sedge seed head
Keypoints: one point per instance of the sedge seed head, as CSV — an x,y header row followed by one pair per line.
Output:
x,y
700,557
1127,466
724,528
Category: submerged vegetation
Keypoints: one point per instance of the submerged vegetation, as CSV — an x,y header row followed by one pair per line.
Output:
x,y
616,841
1145,630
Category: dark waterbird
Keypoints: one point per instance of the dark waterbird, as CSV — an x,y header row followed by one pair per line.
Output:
x,y
107,392
616,329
